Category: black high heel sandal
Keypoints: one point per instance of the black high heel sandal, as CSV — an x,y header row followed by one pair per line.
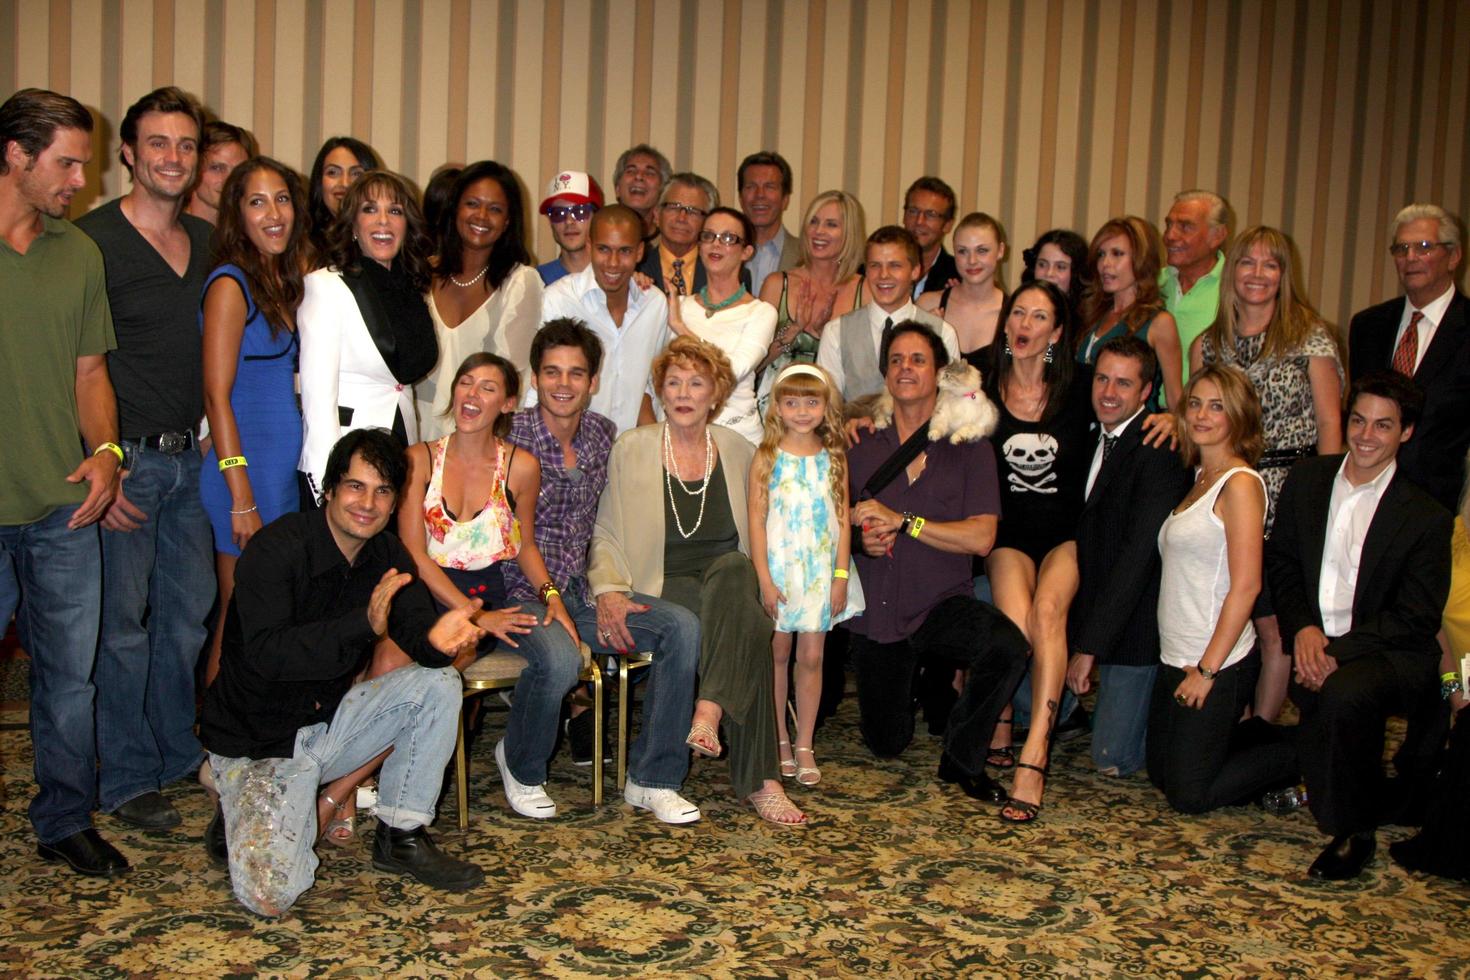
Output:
x,y
1027,811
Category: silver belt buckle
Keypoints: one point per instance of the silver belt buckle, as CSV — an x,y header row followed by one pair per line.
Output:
x,y
173,443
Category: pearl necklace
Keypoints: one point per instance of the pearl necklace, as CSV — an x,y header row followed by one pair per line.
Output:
x,y
478,276
711,307
671,475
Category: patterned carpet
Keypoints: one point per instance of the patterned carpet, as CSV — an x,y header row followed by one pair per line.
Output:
x,y
896,876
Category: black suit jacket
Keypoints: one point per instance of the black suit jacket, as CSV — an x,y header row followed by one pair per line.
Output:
x,y
1434,456
941,272
654,269
1114,616
1403,571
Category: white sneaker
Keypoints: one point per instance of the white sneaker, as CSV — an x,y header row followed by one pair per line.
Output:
x,y
528,801
666,804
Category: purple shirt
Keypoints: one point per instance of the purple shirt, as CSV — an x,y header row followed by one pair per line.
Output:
x,y
566,509
958,481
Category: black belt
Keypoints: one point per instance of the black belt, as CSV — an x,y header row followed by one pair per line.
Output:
x,y
169,443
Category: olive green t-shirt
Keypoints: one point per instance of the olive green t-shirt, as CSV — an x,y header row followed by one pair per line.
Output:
x,y
53,310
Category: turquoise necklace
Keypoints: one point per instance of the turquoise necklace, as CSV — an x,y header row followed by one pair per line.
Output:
x,y
711,307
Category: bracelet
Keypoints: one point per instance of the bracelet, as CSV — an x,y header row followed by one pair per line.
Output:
x,y
903,525
231,462
110,447
1449,683
547,590
248,510
840,573
918,525
1206,672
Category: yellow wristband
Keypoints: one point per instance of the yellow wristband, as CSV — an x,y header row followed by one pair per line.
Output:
x,y
110,447
231,462
1448,676
916,527
839,573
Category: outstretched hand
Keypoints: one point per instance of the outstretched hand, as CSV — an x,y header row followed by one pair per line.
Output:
x,y
455,631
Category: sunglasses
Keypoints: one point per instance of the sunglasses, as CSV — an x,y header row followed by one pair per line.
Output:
x,y
559,213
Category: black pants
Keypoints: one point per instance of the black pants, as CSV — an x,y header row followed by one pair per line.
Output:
x,y
1205,758
962,632
1341,736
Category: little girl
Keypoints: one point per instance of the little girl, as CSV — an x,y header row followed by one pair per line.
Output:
x,y
799,544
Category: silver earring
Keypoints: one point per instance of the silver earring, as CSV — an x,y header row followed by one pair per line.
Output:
x,y
1048,357
1008,348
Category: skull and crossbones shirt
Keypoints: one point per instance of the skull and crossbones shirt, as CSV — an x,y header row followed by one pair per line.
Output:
x,y
1043,467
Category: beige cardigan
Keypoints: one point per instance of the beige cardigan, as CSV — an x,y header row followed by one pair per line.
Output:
x,y
627,553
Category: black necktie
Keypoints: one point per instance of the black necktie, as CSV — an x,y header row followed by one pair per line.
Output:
x,y
1108,443
887,329
679,283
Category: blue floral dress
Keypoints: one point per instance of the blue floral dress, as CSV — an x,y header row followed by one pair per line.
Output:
x,y
802,528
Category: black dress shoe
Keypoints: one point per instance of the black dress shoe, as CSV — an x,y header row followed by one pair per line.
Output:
x,y
980,787
412,852
1075,725
214,838
87,853
149,812
1413,854
1344,858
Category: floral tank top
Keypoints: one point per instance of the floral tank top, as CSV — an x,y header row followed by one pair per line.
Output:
x,y
490,536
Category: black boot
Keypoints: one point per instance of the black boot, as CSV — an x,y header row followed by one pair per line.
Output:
x,y
412,852
214,838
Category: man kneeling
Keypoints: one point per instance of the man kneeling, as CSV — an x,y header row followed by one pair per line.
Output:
x,y
313,592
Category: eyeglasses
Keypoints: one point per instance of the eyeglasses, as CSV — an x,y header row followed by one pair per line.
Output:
x,y
1400,250
924,213
674,207
559,213
723,237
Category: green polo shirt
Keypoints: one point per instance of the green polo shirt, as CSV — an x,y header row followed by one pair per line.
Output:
x,y
54,311
1195,310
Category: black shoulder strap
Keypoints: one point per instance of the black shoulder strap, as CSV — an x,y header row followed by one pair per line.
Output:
x,y
893,465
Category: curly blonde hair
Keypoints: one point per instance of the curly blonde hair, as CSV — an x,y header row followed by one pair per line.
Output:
x,y
801,383
702,357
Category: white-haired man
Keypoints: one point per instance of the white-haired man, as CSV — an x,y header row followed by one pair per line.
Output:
x,y
1195,232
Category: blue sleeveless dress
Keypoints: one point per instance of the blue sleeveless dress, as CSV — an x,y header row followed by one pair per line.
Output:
x,y
267,415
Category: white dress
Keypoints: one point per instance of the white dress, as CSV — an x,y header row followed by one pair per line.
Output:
x,y
744,332
504,324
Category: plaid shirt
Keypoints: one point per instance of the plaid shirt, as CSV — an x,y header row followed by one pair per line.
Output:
x,y
566,509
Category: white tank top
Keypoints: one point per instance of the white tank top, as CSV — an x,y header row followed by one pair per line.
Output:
x,y
1195,579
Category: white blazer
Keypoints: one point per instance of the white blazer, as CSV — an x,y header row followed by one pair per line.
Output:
x,y
345,383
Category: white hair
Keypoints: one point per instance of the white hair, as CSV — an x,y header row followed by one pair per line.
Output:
x,y
1218,214
1449,228
687,179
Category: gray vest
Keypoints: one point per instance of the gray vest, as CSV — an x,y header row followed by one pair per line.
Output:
x,y
860,374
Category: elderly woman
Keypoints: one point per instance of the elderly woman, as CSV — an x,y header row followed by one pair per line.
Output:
x,y
366,336
694,552
825,283
725,314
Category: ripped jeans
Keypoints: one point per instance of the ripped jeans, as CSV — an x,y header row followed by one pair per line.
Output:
x,y
270,805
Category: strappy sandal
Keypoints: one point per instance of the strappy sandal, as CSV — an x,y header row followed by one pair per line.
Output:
x,y
788,764
808,775
774,806
703,735
339,830
1026,811
1002,756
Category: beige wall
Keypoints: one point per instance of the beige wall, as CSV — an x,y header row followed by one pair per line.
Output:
x,y
1321,117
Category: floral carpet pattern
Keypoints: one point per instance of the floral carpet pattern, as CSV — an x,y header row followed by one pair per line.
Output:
x,y
897,875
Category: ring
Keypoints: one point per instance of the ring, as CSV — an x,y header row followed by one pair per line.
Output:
x,y
607,634
1181,698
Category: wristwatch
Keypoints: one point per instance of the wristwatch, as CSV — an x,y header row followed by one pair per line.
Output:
x,y
1206,672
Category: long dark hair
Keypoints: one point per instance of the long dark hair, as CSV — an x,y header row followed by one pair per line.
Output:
x,y
1057,373
509,249
343,251
1074,247
321,215
276,281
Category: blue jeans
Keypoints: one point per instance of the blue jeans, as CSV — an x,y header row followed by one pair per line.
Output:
x,y
157,589
659,758
553,663
270,804
53,577
1120,717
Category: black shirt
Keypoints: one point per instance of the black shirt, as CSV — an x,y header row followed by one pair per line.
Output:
x,y
157,368
297,634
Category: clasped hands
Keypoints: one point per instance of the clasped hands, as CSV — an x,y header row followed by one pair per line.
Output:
x,y
879,525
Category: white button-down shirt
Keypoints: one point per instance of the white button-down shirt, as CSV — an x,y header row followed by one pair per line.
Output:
x,y
1434,312
1348,516
1097,453
627,351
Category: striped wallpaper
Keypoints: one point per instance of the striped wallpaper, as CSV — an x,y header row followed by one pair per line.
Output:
x,y
1321,116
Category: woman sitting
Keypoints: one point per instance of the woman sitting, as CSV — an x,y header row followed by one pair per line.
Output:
x,y
694,552
723,313
366,336
1211,548
1267,328
470,504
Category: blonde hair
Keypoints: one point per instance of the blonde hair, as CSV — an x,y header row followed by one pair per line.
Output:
x,y
700,356
854,231
1293,320
830,431
1242,411
1148,259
